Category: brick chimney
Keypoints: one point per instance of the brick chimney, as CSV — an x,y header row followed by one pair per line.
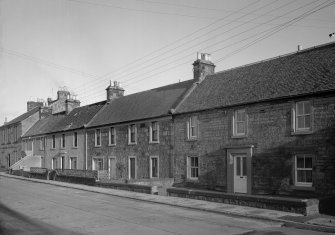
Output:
x,y
33,104
202,67
71,104
114,92
62,94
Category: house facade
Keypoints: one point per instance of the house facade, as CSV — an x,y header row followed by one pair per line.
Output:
x,y
11,149
131,138
264,128
61,139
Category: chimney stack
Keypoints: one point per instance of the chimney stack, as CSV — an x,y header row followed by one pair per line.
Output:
x,y
33,104
114,92
202,67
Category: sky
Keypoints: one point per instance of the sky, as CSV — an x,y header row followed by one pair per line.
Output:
x,y
46,45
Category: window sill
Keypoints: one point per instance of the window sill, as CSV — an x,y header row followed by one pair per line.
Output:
x,y
132,143
193,180
53,149
75,147
302,188
153,142
239,136
192,140
97,146
111,145
308,132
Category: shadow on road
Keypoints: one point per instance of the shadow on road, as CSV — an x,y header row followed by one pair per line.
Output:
x,y
13,222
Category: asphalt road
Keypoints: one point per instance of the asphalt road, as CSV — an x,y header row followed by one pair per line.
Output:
x,y
35,208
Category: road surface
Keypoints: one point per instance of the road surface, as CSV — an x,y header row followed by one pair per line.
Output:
x,y
35,208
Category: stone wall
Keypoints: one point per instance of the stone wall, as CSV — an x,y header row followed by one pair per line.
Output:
x,y
269,131
141,151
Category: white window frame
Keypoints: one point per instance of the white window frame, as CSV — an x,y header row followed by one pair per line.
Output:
x,y
96,138
129,169
53,163
62,141
129,134
62,161
94,167
191,125
296,169
75,140
189,168
71,162
53,141
42,143
152,132
296,129
112,129
235,123
151,175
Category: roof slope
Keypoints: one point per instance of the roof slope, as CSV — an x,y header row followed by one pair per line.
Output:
x,y
44,126
147,104
78,117
308,71
23,116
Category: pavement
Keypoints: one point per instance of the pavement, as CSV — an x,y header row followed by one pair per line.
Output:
x,y
317,222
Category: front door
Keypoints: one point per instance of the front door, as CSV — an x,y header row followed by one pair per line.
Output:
x,y
240,173
112,168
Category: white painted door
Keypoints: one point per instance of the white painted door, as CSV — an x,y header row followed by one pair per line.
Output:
x,y
240,174
112,168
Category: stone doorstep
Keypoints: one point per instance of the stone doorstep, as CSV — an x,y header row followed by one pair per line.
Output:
x,y
297,205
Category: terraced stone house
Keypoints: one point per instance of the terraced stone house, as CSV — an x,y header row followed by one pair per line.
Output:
x,y
262,128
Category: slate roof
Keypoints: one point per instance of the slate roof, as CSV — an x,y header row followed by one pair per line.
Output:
x,y
23,116
308,71
78,117
44,125
143,105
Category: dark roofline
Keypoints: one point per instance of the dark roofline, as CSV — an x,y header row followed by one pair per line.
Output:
x,y
32,111
276,57
131,121
259,101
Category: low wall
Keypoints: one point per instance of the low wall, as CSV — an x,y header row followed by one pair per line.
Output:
x,y
294,205
128,187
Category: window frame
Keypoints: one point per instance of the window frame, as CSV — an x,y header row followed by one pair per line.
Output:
x,y
295,115
112,137
151,165
130,133
129,167
190,167
236,122
62,141
75,140
296,169
71,162
97,137
94,165
152,132
42,143
195,126
53,142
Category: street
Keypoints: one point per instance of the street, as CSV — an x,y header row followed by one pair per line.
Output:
x,y
35,208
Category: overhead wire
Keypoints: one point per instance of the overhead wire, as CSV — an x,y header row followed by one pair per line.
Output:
x,y
238,34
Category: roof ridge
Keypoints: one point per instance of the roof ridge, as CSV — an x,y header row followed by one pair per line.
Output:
x,y
277,57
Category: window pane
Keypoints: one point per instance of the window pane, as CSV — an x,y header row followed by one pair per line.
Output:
x,y
238,166
300,120
300,108
307,107
301,176
308,176
240,128
308,162
244,166
307,121
300,162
